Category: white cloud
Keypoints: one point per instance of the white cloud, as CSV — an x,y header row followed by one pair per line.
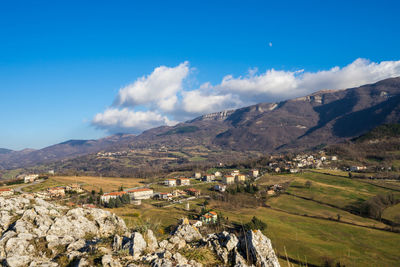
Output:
x,y
275,85
199,102
164,99
116,120
159,88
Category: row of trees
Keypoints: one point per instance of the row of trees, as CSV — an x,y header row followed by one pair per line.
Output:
x,y
240,188
374,206
118,202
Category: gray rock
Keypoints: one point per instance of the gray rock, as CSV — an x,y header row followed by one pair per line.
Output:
x,y
179,259
229,241
163,244
108,261
83,262
104,250
138,244
18,260
187,232
77,245
152,243
161,263
260,249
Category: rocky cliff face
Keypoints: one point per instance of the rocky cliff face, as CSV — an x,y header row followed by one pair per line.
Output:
x,y
34,232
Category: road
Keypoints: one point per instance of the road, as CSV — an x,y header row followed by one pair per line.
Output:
x,y
19,188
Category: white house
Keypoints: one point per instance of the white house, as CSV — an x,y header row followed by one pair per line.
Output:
x,y
170,182
220,188
218,174
166,196
30,178
228,179
197,175
107,196
209,178
141,193
183,181
255,173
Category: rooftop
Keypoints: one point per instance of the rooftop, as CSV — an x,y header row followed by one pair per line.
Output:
x,y
115,193
139,190
5,189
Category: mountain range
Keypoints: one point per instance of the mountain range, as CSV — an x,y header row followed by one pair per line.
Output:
x,y
313,121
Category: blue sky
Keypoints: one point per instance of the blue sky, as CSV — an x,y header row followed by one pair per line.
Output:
x,y
74,69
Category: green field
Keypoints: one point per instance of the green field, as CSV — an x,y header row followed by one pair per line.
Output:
x,y
309,208
392,213
310,240
334,190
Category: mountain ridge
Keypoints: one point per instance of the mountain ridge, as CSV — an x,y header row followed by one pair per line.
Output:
x,y
323,117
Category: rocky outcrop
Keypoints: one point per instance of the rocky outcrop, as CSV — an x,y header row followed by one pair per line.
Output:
x,y
187,232
260,249
38,233
34,231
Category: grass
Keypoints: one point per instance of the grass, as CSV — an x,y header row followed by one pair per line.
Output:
x,y
338,191
314,238
42,186
392,213
95,183
310,208
197,158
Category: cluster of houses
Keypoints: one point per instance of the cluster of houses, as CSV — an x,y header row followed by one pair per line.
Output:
x,y
147,193
231,178
113,154
279,164
181,181
60,191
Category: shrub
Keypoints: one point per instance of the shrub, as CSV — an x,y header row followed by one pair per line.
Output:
x,y
255,224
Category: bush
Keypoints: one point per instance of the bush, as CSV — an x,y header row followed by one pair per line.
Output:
x,y
255,224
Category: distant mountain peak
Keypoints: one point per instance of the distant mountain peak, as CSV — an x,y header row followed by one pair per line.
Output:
x,y
216,116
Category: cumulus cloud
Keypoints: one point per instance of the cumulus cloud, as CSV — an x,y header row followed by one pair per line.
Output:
x,y
159,88
125,120
276,85
164,99
199,101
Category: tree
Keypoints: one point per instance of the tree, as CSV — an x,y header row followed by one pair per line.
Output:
x,y
118,202
111,203
121,188
126,199
255,224
101,192
93,192
308,184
